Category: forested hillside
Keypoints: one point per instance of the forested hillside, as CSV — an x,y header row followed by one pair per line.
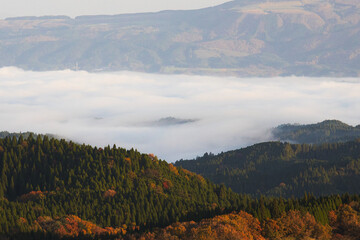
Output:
x,y
283,169
328,131
344,223
109,187
54,189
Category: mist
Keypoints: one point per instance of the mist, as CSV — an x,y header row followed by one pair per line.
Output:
x,y
172,116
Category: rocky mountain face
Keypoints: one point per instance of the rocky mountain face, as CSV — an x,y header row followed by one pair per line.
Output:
x,y
241,38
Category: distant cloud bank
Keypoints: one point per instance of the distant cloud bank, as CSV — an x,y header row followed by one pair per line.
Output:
x,y
173,116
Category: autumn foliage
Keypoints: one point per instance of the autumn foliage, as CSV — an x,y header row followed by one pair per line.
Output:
x,y
345,222
73,226
34,195
109,193
235,226
173,169
296,225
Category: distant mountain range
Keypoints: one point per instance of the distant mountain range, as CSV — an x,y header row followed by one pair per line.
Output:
x,y
241,38
328,131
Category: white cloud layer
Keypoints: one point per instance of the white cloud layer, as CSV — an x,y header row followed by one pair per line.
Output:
x,y
223,113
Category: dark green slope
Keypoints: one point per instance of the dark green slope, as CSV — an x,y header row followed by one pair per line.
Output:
x,y
283,169
109,187
47,184
326,131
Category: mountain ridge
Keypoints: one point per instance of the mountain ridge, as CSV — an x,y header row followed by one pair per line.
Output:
x,y
239,38
283,169
328,131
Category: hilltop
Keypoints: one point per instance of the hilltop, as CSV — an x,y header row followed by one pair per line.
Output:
x,y
46,181
328,131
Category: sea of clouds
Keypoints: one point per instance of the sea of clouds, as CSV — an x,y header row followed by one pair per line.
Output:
x,y
173,116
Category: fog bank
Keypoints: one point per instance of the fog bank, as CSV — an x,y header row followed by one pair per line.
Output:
x,y
173,116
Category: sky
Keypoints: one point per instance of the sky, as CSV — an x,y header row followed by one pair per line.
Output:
x,y
172,116
72,8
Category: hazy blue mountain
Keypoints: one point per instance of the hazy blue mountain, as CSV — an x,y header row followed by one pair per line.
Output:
x,y
326,131
242,38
